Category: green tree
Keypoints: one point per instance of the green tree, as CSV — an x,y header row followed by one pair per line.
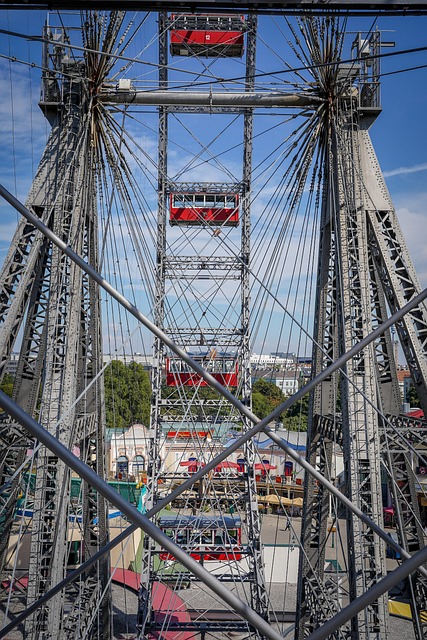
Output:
x,y
296,417
260,405
412,397
127,394
299,408
7,384
266,396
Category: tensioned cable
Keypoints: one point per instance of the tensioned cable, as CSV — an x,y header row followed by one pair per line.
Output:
x,y
233,79
318,66
86,50
205,148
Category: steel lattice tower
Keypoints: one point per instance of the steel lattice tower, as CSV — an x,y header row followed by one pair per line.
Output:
x,y
57,308
364,266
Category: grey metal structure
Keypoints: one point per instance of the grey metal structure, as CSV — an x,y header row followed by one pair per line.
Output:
x,y
218,268
57,309
256,6
363,262
363,266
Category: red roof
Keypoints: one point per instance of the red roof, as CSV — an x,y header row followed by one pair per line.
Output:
x,y
167,605
402,374
417,413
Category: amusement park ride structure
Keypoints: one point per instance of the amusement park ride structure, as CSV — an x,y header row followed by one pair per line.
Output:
x,y
364,274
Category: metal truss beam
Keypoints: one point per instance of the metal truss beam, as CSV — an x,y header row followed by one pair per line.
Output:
x,y
394,265
145,615
202,267
252,6
204,187
57,307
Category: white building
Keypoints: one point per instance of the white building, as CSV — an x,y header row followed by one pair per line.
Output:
x,y
272,360
289,383
129,452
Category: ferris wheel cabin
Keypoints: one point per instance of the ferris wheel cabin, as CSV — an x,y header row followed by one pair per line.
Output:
x,y
207,36
204,208
223,368
204,537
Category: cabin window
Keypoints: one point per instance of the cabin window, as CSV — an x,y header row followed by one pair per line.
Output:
x,y
232,536
206,537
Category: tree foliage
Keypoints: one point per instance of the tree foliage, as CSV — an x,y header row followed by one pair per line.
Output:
x,y
412,396
266,396
127,394
7,384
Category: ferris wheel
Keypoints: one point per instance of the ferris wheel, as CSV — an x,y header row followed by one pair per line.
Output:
x,y
227,198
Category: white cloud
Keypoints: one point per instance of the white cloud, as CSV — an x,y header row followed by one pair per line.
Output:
x,y
412,213
405,170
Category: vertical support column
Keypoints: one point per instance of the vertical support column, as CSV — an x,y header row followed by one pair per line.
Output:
x,y
393,262
48,556
259,599
315,604
361,444
395,280
71,326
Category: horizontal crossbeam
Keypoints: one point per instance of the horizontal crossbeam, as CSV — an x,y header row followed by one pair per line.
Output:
x,y
208,99
252,6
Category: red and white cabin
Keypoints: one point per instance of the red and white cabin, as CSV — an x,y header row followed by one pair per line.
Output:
x,y
223,368
207,36
204,537
220,209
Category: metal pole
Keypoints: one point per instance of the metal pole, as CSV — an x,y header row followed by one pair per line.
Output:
x,y
340,496
367,598
208,99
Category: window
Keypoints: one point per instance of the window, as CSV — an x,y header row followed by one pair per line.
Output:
x,y
218,539
122,466
138,464
206,537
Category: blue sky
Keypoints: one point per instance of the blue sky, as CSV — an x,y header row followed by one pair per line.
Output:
x,y
399,134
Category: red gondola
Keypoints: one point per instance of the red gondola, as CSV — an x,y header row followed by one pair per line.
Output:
x,y
204,537
208,36
204,208
223,368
